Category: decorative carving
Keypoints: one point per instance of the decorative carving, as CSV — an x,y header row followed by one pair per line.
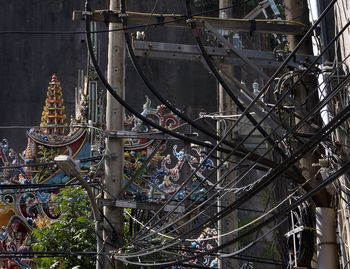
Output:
x,y
19,209
160,178
53,118
160,115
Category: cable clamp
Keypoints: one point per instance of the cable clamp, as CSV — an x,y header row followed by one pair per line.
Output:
x,y
122,14
87,13
190,21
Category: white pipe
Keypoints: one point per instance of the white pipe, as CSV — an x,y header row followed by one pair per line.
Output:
x,y
322,92
327,257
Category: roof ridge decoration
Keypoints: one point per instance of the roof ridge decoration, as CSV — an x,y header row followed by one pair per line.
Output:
x,y
53,117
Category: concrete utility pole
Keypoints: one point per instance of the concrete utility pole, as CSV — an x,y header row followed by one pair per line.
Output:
x,y
226,106
342,11
113,229
297,10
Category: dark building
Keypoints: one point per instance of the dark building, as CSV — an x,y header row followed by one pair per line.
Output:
x,y
29,59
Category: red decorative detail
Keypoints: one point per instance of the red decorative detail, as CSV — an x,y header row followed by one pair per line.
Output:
x,y
54,78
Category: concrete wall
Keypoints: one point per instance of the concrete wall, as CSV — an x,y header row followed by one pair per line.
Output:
x,y
342,13
28,61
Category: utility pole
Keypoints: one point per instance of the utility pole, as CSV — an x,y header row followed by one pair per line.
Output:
x,y
113,229
226,106
297,10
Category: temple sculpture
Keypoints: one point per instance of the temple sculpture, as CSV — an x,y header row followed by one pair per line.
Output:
x,y
21,211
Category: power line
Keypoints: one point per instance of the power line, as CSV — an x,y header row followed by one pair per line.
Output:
x,y
34,254
45,164
239,177
145,119
182,18
277,215
320,105
38,187
329,125
144,79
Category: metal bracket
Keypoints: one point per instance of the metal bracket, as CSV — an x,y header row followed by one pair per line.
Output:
x,y
136,135
142,205
105,16
176,51
298,230
177,20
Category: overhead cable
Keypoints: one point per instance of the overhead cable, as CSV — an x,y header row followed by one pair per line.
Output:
x,y
320,104
182,18
325,131
277,215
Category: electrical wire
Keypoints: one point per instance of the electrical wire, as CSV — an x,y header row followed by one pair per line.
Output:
x,y
225,86
241,227
227,89
35,186
122,100
150,16
247,246
182,18
184,183
280,203
141,117
157,93
270,81
344,28
320,105
270,211
34,254
279,214
51,163
322,133
325,131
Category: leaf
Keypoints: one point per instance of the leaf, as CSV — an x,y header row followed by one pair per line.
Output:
x,y
72,231
82,219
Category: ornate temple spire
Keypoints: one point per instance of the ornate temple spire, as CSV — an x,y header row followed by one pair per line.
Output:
x,y
53,118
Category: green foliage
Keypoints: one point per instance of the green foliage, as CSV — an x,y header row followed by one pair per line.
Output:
x,y
72,232
127,221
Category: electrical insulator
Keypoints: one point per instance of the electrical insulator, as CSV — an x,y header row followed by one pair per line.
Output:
x,y
256,88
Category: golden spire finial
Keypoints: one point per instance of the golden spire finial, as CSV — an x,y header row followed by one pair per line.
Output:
x,y
53,115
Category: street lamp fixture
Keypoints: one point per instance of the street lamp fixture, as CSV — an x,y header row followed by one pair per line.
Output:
x,y
69,166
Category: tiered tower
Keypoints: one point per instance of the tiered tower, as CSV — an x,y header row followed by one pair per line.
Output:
x,y
53,118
